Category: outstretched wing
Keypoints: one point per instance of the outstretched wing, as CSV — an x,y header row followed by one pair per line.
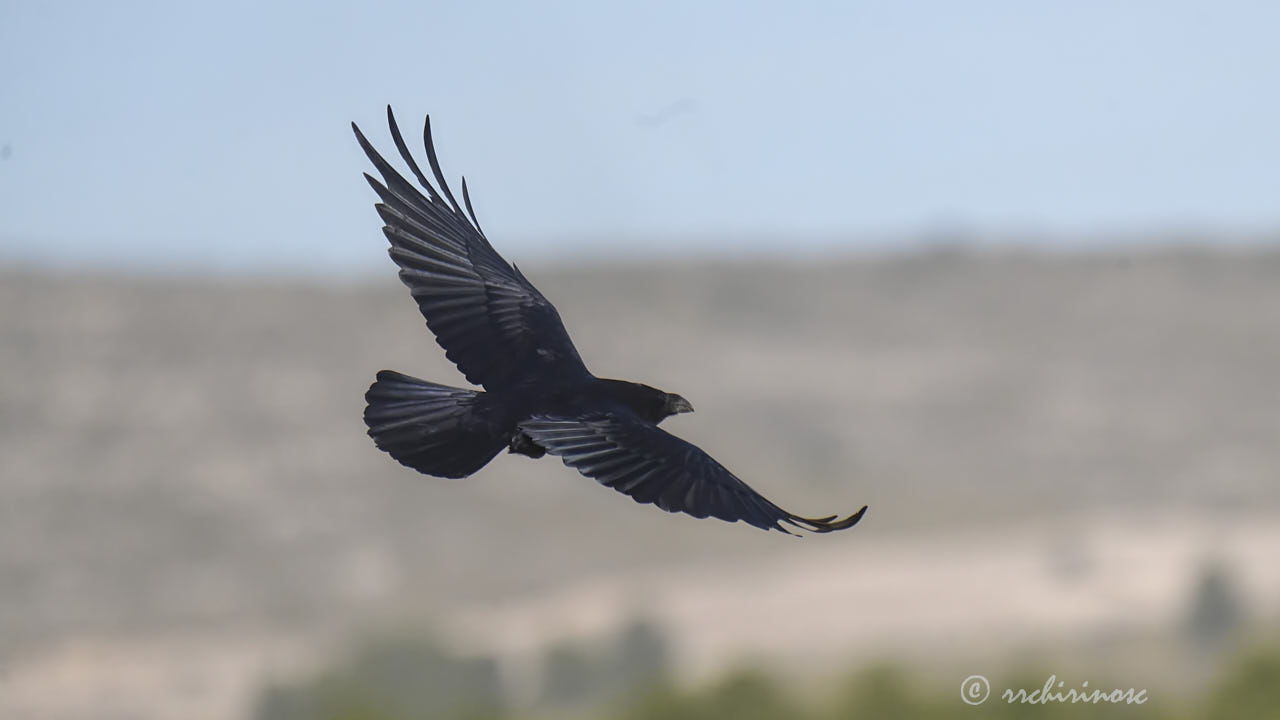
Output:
x,y
491,321
653,466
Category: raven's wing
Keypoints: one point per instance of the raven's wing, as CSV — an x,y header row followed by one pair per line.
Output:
x,y
631,456
491,321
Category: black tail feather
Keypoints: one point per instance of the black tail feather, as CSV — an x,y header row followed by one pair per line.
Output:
x,y
434,429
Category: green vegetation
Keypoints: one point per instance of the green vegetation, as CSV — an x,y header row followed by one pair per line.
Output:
x,y
393,678
412,679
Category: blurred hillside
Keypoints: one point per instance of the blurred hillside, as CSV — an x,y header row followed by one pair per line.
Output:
x,y
1051,443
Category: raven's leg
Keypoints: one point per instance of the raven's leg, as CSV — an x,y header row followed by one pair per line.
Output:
x,y
524,445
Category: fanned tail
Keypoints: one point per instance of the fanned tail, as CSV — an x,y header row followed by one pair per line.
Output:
x,y
434,429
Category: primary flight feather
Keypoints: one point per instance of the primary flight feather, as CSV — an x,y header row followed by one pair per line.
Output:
x,y
538,396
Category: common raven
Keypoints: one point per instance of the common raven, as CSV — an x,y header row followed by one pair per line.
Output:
x,y
538,396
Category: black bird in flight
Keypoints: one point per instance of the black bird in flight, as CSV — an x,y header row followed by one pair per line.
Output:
x,y
538,396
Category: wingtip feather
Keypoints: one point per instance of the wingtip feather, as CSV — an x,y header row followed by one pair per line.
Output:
x,y
434,162
466,200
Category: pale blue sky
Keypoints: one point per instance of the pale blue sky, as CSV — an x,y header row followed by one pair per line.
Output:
x,y
215,135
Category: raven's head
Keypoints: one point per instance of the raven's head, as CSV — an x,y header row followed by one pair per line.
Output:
x,y
648,402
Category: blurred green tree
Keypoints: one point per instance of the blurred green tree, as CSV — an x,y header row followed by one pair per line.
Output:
x,y
392,678
569,675
637,659
1216,612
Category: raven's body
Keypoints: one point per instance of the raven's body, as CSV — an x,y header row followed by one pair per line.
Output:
x,y
538,395
477,425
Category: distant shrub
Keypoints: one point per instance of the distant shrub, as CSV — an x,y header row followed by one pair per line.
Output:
x,y
1216,611
574,674
392,678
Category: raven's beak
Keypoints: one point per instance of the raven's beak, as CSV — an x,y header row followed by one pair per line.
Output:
x,y
677,405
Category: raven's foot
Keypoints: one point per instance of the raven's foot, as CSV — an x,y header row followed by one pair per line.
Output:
x,y
522,444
